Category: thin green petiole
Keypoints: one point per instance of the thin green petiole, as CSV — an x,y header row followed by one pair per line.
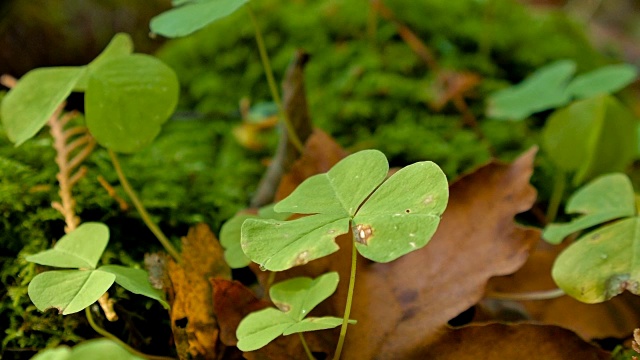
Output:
x,y
534,295
559,185
264,57
115,339
306,347
347,310
141,209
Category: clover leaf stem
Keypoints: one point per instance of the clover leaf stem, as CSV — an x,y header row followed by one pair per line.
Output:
x,y
306,347
347,310
115,339
559,185
141,209
270,280
266,64
527,296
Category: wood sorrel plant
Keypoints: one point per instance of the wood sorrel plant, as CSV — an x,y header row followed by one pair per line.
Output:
x,y
127,99
603,262
387,219
71,291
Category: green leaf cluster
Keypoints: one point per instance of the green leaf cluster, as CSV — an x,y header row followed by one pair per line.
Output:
x,y
388,218
127,97
295,298
551,86
601,263
71,291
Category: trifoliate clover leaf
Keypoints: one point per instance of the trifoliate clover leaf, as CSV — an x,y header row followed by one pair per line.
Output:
x,y
71,291
295,298
550,87
399,217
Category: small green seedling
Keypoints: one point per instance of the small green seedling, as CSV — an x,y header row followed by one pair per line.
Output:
x,y
551,87
603,262
295,298
98,349
71,291
127,97
388,218
230,235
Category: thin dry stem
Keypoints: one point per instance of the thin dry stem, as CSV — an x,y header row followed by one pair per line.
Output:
x,y
69,173
124,206
78,142
77,130
82,171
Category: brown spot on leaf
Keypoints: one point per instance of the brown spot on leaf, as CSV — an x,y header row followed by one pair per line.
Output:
x,y
363,233
302,258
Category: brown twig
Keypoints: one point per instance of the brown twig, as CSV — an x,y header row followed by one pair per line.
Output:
x,y
408,36
124,206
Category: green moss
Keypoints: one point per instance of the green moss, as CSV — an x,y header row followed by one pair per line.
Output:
x,y
359,83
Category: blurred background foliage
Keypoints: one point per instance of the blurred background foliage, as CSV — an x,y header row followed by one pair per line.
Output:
x,y
365,86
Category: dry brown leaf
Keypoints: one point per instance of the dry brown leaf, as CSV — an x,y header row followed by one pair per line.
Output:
x,y
614,318
232,302
501,341
401,306
193,320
